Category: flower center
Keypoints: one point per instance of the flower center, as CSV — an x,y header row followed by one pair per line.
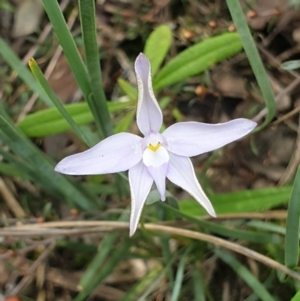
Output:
x,y
154,148
155,153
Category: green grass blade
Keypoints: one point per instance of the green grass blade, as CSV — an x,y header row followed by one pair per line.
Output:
x,y
114,258
15,63
69,47
255,61
128,89
246,275
140,286
292,226
23,148
10,170
36,71
197,59
105,248
98,100
157,46
179,275
198,285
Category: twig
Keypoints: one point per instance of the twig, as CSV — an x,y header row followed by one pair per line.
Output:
x,y
10,200
29,229
294,161
34,266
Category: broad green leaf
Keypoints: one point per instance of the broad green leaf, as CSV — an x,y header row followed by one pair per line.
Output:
x,y
97,101
292,225
197,59
255,61
15,63
50,121
251,236
157,46
36,71
242,201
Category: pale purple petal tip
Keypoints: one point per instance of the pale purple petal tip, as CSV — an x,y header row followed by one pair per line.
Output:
x,y
181,173
140,184
149,115
114,154
194,138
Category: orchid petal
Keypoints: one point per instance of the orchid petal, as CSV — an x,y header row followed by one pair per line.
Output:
x,y
194,138
159,176
114,154
181,172
149,115
140,184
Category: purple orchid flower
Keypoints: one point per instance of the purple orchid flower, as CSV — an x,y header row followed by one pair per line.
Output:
x,y
156,156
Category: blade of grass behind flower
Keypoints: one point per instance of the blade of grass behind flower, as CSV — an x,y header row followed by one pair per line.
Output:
x,y
198,285
23,148
118,254
246,275
15,63
97,100
69,47
140,286
107,244
292,226
36,71
179,275
255,61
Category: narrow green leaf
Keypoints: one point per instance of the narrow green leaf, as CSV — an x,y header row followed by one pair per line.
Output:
x,y
15,63
50,122
98,100
292,226
179,276
197,59
199,290
124,124
69,47
11,170
114,258
35,69
104,250
246,275
157,46
141,285
255,61
128,89
242,201
23,148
